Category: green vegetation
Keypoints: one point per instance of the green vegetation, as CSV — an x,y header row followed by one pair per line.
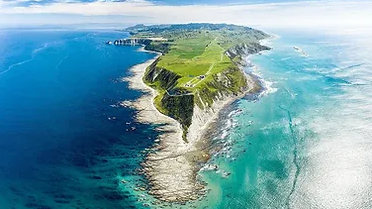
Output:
x,y
158,47
198,65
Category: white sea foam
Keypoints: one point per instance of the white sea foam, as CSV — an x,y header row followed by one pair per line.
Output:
x,y
229,125
269,89
46,45
33,55
269,41
15,65
234,112
266,84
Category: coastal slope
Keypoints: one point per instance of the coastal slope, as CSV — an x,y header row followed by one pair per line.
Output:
x,y
196,73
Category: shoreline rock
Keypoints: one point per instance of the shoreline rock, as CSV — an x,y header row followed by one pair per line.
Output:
x,y
172,168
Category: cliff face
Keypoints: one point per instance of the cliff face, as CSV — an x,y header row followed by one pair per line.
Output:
x,y
132,41
228,84
237,52
212,98
151,45
160,77
175,102
195,109
196,76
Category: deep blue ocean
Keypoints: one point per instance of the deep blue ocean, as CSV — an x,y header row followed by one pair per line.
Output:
x,y
58,146
66,143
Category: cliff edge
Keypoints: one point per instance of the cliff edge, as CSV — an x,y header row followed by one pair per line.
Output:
x,y
198,73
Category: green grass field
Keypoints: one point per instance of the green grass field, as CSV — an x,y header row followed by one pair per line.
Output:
x,y
201,54
194,68
197,50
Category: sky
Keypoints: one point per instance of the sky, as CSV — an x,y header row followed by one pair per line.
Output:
x,y
262,13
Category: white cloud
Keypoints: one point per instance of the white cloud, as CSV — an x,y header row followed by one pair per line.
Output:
x,y
293,14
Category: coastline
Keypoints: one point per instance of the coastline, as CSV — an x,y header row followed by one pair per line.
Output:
x,y
172,168
168,167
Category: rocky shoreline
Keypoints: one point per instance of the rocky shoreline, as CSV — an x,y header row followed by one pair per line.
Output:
x,y
172,166
169,169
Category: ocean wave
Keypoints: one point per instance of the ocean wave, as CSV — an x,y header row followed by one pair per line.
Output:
x,y
230,123
265,84
226,139
235,112
268,88
269,41
227,128
224,134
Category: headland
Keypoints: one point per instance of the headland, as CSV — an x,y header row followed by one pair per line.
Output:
x,y
197,72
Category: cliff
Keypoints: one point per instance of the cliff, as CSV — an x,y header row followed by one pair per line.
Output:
x,y
194,109
151,44
197,74
238,52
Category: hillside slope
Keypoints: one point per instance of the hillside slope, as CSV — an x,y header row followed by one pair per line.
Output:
x,y
199,66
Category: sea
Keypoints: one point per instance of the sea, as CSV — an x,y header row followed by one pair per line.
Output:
x,y
67,142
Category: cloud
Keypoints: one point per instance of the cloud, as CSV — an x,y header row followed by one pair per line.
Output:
x,y
291,14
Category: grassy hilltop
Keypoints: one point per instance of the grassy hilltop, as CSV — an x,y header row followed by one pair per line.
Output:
x,y
199,64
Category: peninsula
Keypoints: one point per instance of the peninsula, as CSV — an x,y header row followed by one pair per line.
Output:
x,y
197,72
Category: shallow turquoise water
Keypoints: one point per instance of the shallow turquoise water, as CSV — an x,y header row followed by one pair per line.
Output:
x,y
305,142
